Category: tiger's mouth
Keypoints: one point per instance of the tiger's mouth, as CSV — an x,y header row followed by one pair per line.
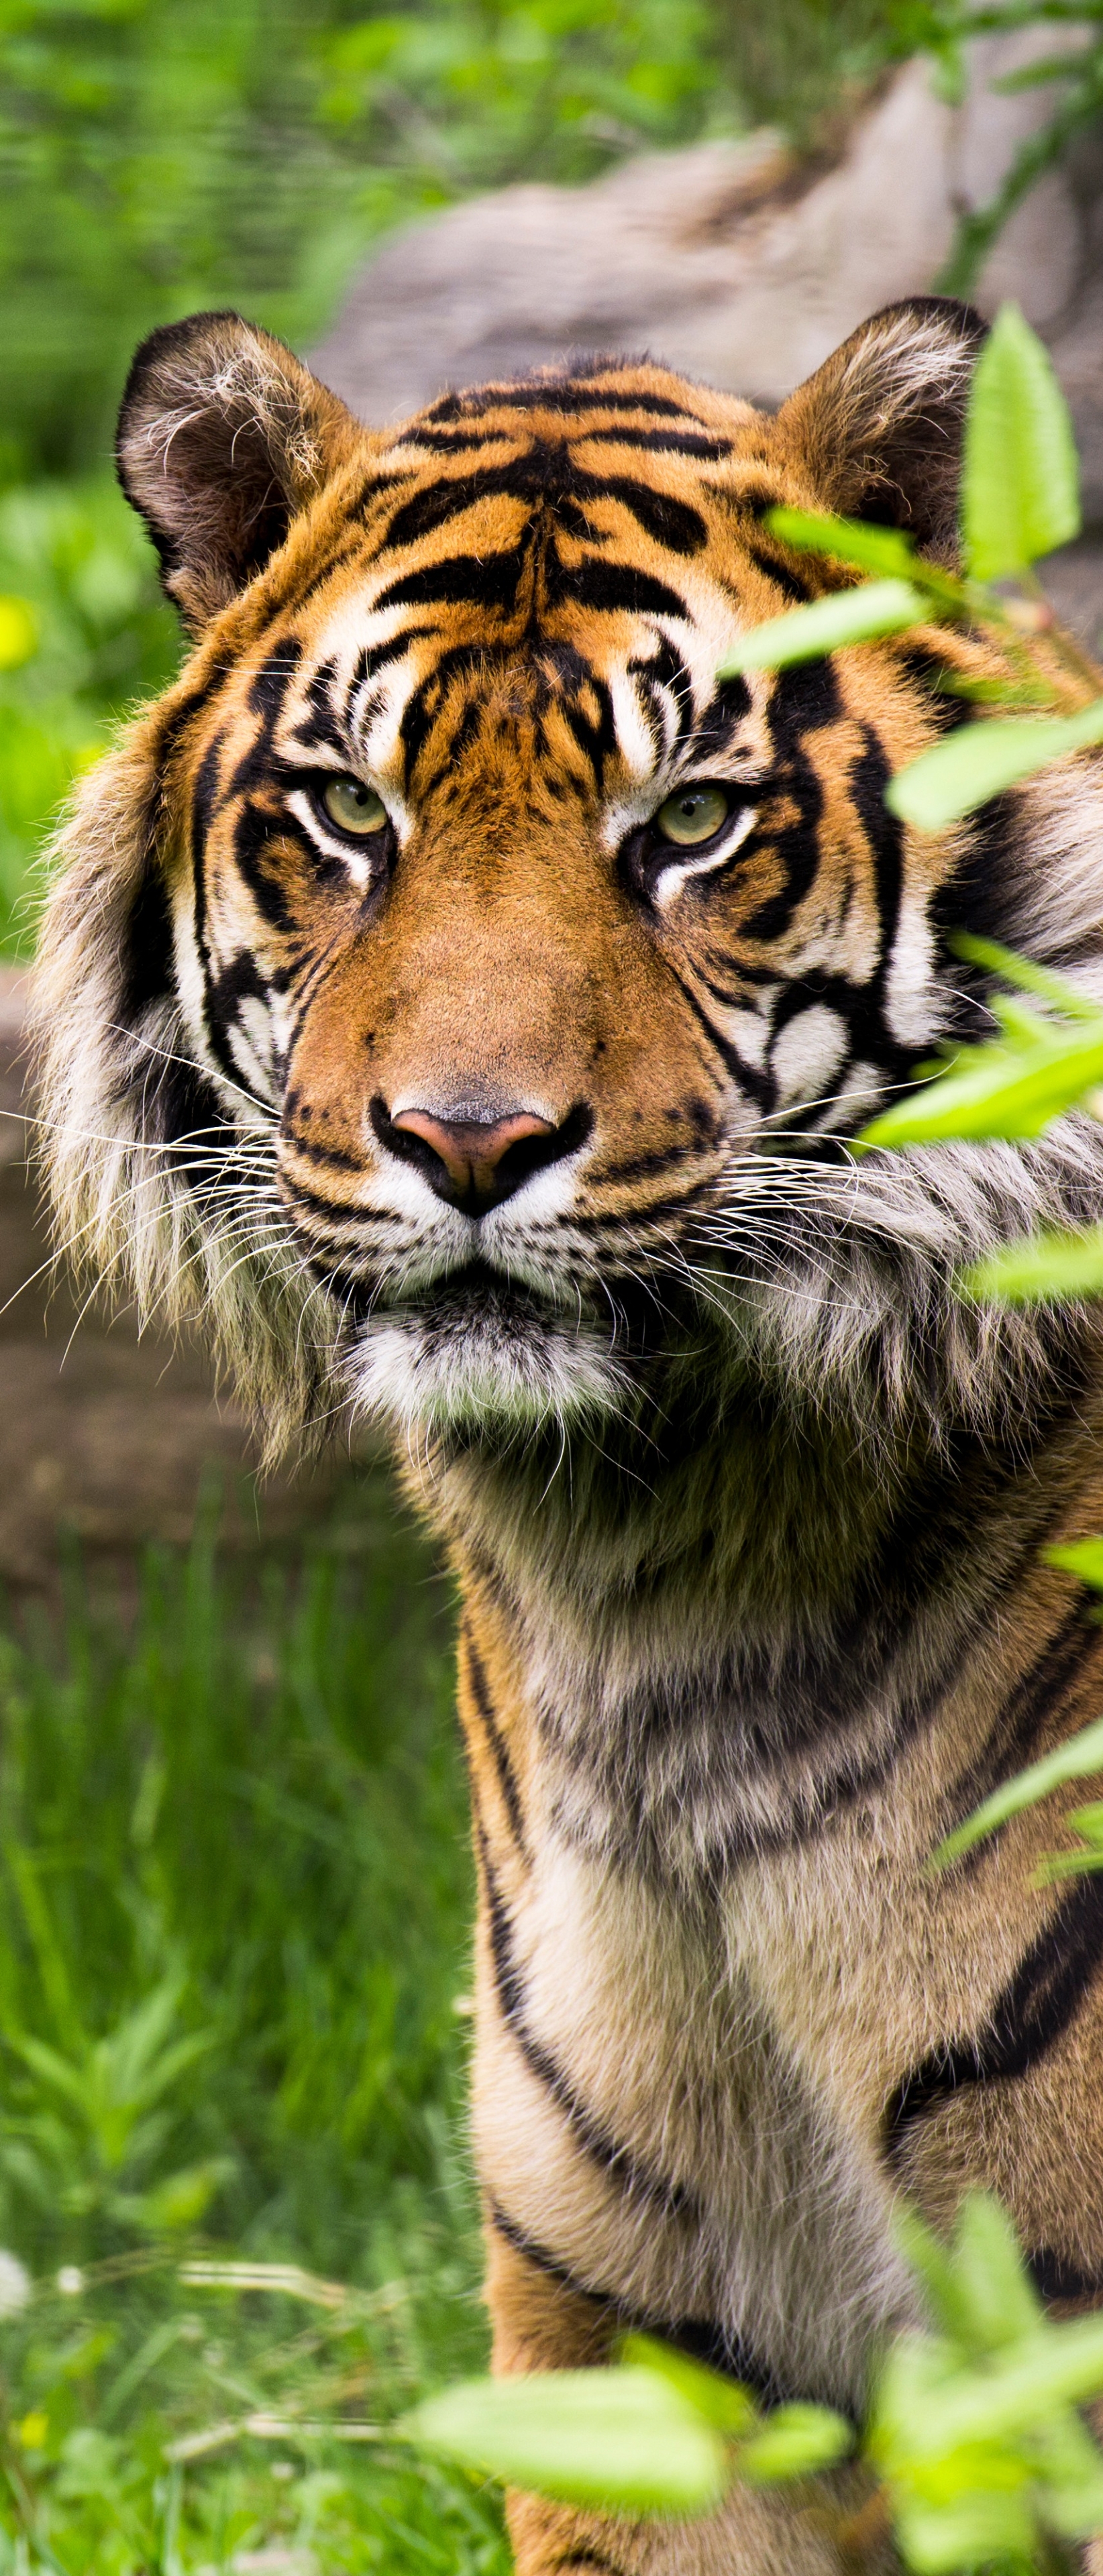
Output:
x,y
474,1347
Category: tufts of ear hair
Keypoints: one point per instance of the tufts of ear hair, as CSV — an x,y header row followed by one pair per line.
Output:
x,y
223,436
881,423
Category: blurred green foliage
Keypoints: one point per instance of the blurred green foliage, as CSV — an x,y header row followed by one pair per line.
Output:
x,y
83,631
161,155
797,63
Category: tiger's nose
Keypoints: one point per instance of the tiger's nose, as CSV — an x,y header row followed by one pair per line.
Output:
x,y
475,1163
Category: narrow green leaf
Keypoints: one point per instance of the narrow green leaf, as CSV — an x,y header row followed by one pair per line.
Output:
x,y
1083,1557
796,2442
1089,1822
998,2296
966,769
1070,2475
1039,1271
975,2532
723,2402
625,2439
928,2256
1069,1864
1079,1759
1020,487
1010,1087
857,541
1059,2365
826,625
1025,972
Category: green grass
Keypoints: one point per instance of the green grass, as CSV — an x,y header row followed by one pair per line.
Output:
x,y
234,1932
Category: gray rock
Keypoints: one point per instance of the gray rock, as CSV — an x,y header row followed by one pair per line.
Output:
x,y
741,267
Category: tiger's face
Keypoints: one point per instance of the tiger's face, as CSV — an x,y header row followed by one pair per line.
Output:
x,y
484,985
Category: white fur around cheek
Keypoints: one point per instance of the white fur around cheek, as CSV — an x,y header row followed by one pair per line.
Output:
x,y
252,1044
807,1054
911,1008
189,985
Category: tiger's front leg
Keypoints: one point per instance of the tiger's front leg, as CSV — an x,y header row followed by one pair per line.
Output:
x,y
541,2325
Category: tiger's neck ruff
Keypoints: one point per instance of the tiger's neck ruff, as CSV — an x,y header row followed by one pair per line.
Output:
x,y
461,1003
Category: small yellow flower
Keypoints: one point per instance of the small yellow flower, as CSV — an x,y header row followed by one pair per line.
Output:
x,y
18,632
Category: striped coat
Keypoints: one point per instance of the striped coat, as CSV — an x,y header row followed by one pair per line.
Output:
x,y
462,1002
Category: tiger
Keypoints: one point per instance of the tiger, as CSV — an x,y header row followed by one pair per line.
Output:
x,y
462,1005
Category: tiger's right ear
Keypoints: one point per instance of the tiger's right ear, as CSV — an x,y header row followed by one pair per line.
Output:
x,y
223,437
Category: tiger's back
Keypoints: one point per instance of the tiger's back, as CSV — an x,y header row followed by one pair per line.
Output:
x,y
464,1001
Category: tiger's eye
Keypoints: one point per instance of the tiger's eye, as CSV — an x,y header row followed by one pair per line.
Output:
x,y
354,807
694,814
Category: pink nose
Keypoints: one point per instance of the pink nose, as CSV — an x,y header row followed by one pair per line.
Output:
x,y
469,1150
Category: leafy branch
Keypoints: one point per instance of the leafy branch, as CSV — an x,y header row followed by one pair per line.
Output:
x,y
1019,502
974,2450
941,28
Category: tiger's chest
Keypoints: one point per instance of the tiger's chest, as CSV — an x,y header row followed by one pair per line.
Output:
x,y
646,2126
681,2076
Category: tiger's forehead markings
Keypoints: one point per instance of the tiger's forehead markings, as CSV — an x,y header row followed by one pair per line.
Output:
x,y
406,652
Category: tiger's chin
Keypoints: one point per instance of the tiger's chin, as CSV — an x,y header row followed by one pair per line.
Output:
x,y
481,1358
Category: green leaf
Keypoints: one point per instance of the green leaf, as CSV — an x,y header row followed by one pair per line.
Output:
x,y
723,2402
1039,1271
625,2439
1011,1086
1059,2365
797,2442
1079,1759
1020,485
999,2300
966,769
1025,972
1088,1821
1070,2474
826,625
929,2258
1083,1557
857,541
976,2531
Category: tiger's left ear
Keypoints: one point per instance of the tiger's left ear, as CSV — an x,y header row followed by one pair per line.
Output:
x,y
880,425
223,436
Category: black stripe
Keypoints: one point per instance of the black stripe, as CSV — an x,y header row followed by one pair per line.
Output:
x,y
1026,2021
672,2199
330,1157
1056,2278
499,1750
660,442
613,586
551,395
146,949
587,2558
1013,1738
482,581
644,1166
700,2337
759,1087
792,585
545,473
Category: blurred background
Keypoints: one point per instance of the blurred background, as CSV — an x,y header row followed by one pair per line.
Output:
x,y
234,1877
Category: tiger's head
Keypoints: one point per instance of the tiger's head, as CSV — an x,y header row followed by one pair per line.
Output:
x,y
458,996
